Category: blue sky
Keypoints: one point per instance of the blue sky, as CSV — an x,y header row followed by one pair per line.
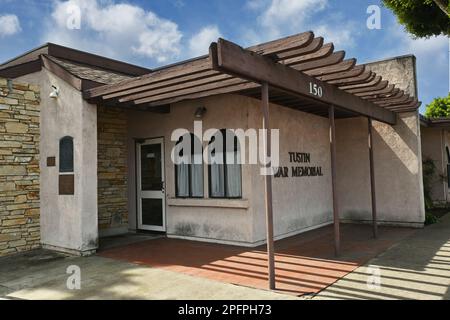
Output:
x,y
157,32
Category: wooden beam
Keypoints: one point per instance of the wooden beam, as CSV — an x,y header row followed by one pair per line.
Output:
x,y
199,65
332,69
363,78
210,86
300,58
207,78
207,93
354,72
314,46
268,186
385,97
388,90
380,86
372,181
62,73
336,217
393,102
376,80
237,61
16,71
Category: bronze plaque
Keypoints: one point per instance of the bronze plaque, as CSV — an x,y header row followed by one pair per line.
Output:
x,y
67,184
51,162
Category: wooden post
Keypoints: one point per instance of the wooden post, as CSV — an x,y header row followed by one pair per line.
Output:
x,y
268,187
372,182
337,235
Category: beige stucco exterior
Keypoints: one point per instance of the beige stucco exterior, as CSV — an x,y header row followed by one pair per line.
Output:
x,y
71,223
299,203
68,222
435,140
398,171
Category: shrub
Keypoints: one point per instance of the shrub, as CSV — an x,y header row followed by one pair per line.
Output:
x,y
430,219
439,108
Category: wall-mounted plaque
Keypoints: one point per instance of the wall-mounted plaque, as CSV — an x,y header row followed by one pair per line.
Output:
x,y
66,184
51,162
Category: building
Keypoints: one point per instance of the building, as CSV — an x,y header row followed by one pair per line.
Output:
x,y
97,133
435,147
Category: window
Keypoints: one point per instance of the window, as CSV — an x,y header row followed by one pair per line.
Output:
x,y
66,155
225,178
66,169
189,173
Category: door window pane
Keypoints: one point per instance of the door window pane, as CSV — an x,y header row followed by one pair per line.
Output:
x,y
151,168
152,212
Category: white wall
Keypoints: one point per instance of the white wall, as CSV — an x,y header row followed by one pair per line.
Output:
x,y
68,223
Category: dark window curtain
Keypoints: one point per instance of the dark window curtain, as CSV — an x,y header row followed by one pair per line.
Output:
x,y
66,155
189,174
225,177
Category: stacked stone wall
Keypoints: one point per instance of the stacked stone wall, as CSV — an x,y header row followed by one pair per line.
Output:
x,y
19,167
112,170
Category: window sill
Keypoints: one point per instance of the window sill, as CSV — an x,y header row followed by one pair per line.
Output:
x,y
209,203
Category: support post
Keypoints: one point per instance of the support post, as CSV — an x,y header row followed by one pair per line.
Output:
x,y
372,181
268,186
337,235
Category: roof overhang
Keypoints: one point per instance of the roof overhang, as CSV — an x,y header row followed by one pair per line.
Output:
x,y
295,67
443,123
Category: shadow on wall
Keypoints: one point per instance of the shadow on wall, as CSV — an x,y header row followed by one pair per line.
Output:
x,y
398,175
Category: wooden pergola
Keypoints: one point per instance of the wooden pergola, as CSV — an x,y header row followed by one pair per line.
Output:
x,y
299,72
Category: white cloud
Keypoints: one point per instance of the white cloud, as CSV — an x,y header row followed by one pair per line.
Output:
x,y
280,15
199,43
277,18
342,37
118,30
9,25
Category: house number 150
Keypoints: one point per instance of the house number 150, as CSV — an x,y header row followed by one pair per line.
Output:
x,y
315,90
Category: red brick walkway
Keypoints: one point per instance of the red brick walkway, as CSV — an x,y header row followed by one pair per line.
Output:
x,y
305,264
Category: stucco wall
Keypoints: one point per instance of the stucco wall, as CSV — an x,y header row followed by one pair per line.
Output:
x,y
231,220
112,176
299,203
398,171
68,222
433,147
398,158
19,167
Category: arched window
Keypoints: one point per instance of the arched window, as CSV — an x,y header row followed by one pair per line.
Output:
x,y
189,171
225,177
66,155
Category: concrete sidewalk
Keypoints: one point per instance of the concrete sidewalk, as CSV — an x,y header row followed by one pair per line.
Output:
x,y
43,275
416,268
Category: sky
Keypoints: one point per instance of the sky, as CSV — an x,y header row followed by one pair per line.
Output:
x,y
153,33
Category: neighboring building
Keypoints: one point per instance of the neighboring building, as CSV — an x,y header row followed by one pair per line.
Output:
x,y
105,151
435,147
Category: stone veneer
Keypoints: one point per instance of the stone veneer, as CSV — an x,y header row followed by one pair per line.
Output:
x,y
112,171
19,167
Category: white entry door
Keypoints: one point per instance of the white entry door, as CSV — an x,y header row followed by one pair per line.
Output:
x,y
150,185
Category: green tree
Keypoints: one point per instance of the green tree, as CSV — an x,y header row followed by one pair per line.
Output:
x,y
439,108
422,18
